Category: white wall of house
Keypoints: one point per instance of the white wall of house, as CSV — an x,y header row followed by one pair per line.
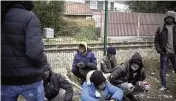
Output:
x,y
97,19
121,7
99,5
112,5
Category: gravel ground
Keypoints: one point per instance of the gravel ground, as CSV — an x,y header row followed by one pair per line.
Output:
x,y
65,40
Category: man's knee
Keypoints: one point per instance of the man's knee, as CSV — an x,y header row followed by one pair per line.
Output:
x,y
62,92
60,96
76,73
7,94
35,93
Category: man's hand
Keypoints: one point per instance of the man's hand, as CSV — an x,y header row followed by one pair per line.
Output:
x,y
127,87
144,85
162,53
81,64
139,83
112,100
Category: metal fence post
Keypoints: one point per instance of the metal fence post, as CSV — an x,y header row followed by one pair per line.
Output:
x,y
138,30
105,27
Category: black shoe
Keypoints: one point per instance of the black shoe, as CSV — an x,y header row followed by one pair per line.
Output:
x,y
131,97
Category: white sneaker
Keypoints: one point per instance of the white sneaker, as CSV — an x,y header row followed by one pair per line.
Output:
x,y
162,88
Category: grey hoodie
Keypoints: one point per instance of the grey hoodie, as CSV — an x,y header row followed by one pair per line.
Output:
x,y
169,44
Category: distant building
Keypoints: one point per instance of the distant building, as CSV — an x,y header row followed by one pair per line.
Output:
x,y
99,5
79,13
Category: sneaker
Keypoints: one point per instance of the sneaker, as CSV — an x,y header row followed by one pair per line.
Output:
x,y
162,88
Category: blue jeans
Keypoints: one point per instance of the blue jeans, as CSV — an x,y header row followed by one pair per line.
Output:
x,y
31,92
163,65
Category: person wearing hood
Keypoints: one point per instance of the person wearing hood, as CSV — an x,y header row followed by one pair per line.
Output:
x,y
165,43
97,88
22,52
129,75
84,61
109,63
56,87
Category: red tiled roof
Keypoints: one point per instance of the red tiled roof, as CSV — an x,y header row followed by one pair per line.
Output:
x,y
126,24
77,9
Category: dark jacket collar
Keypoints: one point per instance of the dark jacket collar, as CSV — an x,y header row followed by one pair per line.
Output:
x,y
19,5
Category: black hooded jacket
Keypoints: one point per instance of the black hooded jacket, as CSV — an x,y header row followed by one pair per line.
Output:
x,y
162,34
52,87
22,49
124,73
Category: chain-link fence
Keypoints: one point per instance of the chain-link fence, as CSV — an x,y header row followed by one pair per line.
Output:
x,y
65,24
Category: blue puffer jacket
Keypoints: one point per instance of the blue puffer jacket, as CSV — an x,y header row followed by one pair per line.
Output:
x,y
22,47
89,92
89,59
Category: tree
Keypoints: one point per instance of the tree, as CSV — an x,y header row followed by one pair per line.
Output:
x,y
151,6
50,14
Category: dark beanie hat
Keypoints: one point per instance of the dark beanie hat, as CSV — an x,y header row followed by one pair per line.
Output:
x,y
97,78
111,50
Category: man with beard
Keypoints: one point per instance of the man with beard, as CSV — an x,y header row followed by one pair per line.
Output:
x,y
165,43
129,76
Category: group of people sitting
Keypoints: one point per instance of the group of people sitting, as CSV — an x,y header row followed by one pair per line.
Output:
x,y
112,82
24,60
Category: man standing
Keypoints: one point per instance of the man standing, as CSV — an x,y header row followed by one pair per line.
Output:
x,y
165,43
22,53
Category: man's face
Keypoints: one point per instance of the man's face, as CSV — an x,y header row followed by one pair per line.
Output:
x,y
82,50
169,20
101,86
135,66
46,74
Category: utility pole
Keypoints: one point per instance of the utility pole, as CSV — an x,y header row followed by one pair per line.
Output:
x,y
105,27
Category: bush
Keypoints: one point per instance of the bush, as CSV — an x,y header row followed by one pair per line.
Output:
x,y
69,29
98,31
87,33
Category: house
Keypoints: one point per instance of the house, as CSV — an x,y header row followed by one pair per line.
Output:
x,y
99,5
119,23
79,13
